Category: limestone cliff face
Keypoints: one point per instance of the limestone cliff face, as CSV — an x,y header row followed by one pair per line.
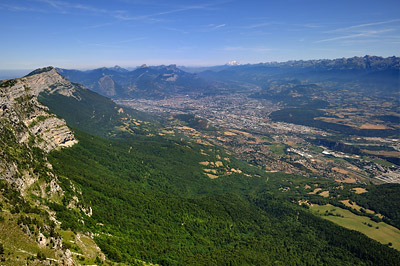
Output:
x,y
107,86
25,124
18,103
28,132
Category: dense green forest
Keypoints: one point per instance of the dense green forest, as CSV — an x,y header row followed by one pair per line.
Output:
x,y
384,199
152,203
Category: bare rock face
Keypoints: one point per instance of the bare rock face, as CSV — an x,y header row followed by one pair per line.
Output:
x,y
26,123
57,243
28,132
54,133
47,79
42,240
18,103
107,86
67,258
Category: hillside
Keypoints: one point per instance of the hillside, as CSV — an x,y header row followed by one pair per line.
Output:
x,y
124,189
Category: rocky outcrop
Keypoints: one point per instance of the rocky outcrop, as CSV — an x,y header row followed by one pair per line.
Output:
x,y
28,132
107,86
18,103
54,133
25,123
47,79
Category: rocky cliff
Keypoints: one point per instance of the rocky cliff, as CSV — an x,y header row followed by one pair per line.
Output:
x,y
27,124
28,132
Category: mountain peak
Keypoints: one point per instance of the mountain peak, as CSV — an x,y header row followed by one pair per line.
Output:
x,y
118,69
233,63
42,70
39,80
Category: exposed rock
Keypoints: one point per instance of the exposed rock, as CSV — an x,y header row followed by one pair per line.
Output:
x,y
57,243
31,123
20,101
107,86
49,80
55,188
67,258
54,133
25,125
88,211
42,240
73,203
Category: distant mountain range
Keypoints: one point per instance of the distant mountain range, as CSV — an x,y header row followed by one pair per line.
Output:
x,y
157,82
143,82
368,72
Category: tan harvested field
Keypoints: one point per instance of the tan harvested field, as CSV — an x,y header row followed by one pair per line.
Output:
x,y
167,131
222,139
346,180
218,163
236,171
186,128
340,170
315,191
240,132
229,133
371,126
204,142
324,194
355,206
204,163
349,109
210,171
359,190
212,176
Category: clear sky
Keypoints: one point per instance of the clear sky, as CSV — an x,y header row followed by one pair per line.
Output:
x,y
87,34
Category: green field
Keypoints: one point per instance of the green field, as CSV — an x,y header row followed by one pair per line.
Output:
x,y
380,232
277,148
378,161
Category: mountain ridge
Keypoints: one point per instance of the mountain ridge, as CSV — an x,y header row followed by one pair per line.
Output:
x,y
143,82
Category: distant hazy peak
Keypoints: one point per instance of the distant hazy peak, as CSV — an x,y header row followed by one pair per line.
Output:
x,y
233,63
118,68
172,67
365,62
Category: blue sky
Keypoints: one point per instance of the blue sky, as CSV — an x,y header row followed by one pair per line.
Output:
x,y
87,34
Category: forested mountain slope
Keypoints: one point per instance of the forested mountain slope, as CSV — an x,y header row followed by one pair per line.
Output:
x,y
148,197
